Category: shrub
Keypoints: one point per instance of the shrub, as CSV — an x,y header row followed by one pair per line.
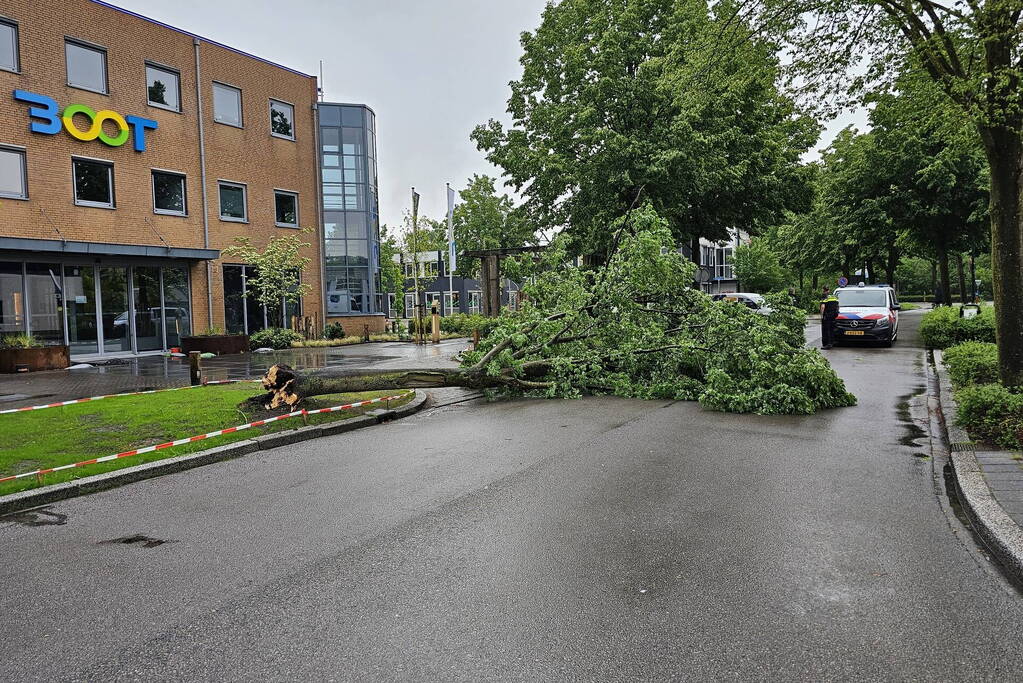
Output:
x,y
464,323
333,331
943,327
972,363
992,413
274,337
20,341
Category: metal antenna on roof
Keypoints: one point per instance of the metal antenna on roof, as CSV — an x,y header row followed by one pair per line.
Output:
x,y
319,86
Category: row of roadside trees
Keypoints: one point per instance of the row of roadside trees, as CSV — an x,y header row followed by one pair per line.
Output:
x,y
687,108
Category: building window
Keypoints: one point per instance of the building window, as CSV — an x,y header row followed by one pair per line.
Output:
x,y
227,105
232,202
282,120
169,193
13,175
8,45
286,209
451,302
86,66
94,183
723,266
475,302
163,87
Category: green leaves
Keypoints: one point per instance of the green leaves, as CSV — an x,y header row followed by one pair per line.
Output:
x,y
635,328
622,98
278,269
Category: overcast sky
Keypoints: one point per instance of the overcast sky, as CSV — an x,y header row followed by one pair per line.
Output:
x,y
430,70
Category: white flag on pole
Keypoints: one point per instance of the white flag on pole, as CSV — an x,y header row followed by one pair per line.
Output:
x,y
451,230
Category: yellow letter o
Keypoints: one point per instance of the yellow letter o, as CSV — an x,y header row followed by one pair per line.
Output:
x,y
96,130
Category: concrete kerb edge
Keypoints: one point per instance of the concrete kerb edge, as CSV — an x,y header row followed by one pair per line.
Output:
x,y
1002,535
24,500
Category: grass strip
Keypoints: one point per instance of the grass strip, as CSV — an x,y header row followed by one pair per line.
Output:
x,y
60,436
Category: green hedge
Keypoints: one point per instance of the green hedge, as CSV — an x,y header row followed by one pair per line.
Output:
x,y
992,413
942,327
274,338
464,324
972,363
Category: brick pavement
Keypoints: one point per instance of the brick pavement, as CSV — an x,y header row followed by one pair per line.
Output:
x,y
1003,471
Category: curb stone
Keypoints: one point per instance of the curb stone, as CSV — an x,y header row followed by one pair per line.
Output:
x,y
24,500
1002,535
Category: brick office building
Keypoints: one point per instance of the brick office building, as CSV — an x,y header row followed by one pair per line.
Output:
x,y
131,154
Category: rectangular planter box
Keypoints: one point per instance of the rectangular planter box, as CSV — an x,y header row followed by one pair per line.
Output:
x,y
44,358
219,344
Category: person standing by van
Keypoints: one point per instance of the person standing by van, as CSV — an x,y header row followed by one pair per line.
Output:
x,y
829,312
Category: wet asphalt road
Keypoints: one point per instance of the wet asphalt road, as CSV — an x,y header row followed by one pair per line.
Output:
x,y
595,539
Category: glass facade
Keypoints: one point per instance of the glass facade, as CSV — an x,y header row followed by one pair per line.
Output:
x,y
111,309
351,220
243,314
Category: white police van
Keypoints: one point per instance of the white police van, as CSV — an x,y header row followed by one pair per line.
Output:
x,y
867,313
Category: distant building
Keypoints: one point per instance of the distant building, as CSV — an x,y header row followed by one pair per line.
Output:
x,y
464,296
716,272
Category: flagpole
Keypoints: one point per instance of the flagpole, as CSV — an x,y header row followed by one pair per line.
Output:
x,y
451,247
416,306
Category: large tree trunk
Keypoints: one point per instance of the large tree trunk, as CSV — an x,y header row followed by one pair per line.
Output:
x,y
946,281
963,296
286,388
890,264
973,277
1004,150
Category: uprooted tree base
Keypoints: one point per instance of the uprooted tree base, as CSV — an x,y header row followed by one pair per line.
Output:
x,y
633,327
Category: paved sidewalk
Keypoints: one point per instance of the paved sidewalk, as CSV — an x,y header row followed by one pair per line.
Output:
x,y
1003,471
156,372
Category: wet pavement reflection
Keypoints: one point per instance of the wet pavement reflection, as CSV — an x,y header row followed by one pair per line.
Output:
x,y
153,372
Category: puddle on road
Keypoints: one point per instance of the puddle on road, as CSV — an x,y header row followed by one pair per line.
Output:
x,y
914,432
137,539
35,517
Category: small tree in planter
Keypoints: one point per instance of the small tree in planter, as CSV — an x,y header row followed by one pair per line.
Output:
x,y
278,268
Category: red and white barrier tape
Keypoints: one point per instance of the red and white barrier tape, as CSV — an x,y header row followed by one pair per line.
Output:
x,y
200,437
130,393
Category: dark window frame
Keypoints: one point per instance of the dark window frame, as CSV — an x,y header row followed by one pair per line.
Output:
x,y
110,175
86,45
270,113
241,105
184,192
17,44
169,70
23,153
245,201
289,193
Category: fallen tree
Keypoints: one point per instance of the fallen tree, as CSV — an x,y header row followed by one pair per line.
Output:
x,y
633,327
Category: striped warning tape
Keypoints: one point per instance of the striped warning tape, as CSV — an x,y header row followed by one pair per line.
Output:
x,y
200,437
130,393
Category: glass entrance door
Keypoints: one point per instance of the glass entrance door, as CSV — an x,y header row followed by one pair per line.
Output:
x,y
114,310
148,312
80,300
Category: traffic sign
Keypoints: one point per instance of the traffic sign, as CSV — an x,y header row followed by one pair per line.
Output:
x,y
843,281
